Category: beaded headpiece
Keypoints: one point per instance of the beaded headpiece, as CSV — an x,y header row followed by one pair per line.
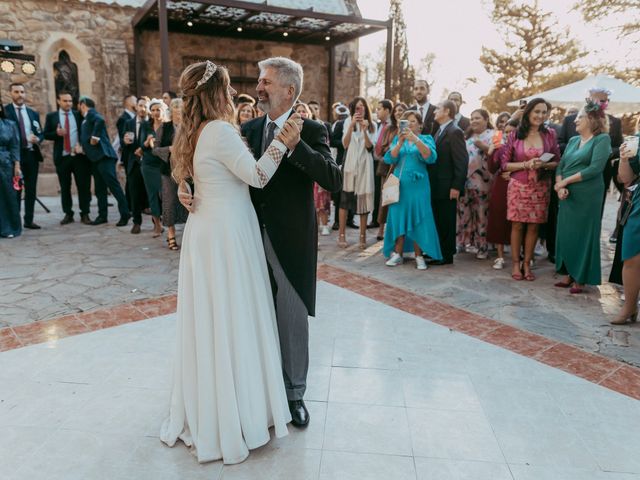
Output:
x,y
208,73
594,108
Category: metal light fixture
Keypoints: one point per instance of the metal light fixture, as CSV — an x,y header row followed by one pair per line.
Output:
x,y
7,66
189,23
327,38
239,29
29,68
285,34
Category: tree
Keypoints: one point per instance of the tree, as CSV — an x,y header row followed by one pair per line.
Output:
x,y
536,52
625,15
402,73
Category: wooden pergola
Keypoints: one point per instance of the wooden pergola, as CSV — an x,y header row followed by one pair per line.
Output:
x,y
258,21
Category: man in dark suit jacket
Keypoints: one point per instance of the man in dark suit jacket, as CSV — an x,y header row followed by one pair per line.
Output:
x,y
287,217
615,132
63,128
459,120
129,103
28,121
138,129
97,147
421,91
447,178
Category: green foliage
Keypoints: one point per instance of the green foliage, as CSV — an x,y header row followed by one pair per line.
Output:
x,y
625,14
402,73
537,53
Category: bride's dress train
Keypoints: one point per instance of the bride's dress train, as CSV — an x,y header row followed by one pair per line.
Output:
x,y
228,387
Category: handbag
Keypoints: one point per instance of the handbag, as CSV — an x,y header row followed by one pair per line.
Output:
x,y
391,188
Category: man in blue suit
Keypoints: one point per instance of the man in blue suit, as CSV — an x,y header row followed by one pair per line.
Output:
x,y
97,147
28,121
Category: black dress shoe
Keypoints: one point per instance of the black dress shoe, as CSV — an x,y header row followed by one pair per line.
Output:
x,y
447,261
67,219
99,221
84,218
32,226
336,226
299,413
123,221
352,225
373,225
135,229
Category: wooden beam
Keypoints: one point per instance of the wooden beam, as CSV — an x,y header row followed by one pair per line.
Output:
x,y
164,44
388,70
143,12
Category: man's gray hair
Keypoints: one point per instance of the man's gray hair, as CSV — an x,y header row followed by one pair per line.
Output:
x,y
290,72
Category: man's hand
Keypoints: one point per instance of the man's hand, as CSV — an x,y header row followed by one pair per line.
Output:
x,y
138,152
79,149
61,132
454,194
34,139
185,196
94,141
290,133
17,172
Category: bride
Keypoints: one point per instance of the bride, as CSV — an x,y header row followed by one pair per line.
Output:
x,y
227,387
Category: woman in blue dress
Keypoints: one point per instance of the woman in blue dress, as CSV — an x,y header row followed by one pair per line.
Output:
x,y
410,223
10,223
628,172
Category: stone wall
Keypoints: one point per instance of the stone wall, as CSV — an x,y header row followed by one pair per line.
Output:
x,y
97,36
241,58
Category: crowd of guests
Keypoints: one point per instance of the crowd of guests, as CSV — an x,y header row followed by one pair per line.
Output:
x,y
464,184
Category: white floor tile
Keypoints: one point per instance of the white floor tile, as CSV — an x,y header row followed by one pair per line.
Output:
x,y
360,466
440,469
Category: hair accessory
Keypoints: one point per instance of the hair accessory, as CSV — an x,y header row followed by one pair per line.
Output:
x,y
606,91
594,108
208,73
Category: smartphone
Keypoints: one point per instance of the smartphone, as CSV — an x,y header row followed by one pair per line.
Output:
x,y
547,157
523,103
403,125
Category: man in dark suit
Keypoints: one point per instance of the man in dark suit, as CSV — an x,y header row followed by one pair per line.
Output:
x,y
568,130
421,91
129,102
136,131
63,128
447,178
28,121
337,130
459,120
286,213
97,147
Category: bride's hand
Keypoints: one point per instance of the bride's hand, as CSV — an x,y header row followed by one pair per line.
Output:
x,y
185,196
290,133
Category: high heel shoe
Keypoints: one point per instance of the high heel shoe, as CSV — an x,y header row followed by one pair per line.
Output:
x,y
624,320
363,242
342,241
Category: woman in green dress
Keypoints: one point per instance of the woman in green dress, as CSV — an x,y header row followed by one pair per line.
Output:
x,y
628,172
580,190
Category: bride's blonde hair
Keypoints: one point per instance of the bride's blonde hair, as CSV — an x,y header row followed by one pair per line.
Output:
x,y
209,101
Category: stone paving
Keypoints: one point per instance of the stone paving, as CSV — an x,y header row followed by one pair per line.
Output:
x,y
69,269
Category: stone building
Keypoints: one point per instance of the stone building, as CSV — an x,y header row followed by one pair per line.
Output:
x,y
99,38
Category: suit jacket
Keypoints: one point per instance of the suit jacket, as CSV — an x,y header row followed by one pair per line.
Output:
x,y
95,126
36,128
429,126
450,169
121,125
51,123
335,137
568,130
129,158
285,205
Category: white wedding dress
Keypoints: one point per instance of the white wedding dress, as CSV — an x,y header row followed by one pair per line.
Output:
x,y
228,387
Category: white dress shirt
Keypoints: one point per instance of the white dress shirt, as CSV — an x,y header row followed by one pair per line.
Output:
x,y
425,109
73,129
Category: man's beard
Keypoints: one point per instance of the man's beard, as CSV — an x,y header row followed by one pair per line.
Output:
x,y
265,105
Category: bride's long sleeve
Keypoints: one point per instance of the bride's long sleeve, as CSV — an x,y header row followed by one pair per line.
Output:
x,y
231,150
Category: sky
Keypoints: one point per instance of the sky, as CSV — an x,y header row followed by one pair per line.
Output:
x,y
457,54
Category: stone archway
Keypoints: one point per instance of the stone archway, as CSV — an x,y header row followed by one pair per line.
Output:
x,y
49,51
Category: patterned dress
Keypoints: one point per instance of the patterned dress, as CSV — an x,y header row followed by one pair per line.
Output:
x,y
473,206
528,194
10,222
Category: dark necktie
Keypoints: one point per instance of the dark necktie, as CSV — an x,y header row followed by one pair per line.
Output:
x,y
67,134
23,131
422,113
271,132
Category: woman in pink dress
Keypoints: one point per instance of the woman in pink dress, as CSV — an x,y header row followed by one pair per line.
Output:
x,y
529,189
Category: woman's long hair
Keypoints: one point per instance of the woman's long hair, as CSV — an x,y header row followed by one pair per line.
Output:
x,y
209,101
525,123
367,111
